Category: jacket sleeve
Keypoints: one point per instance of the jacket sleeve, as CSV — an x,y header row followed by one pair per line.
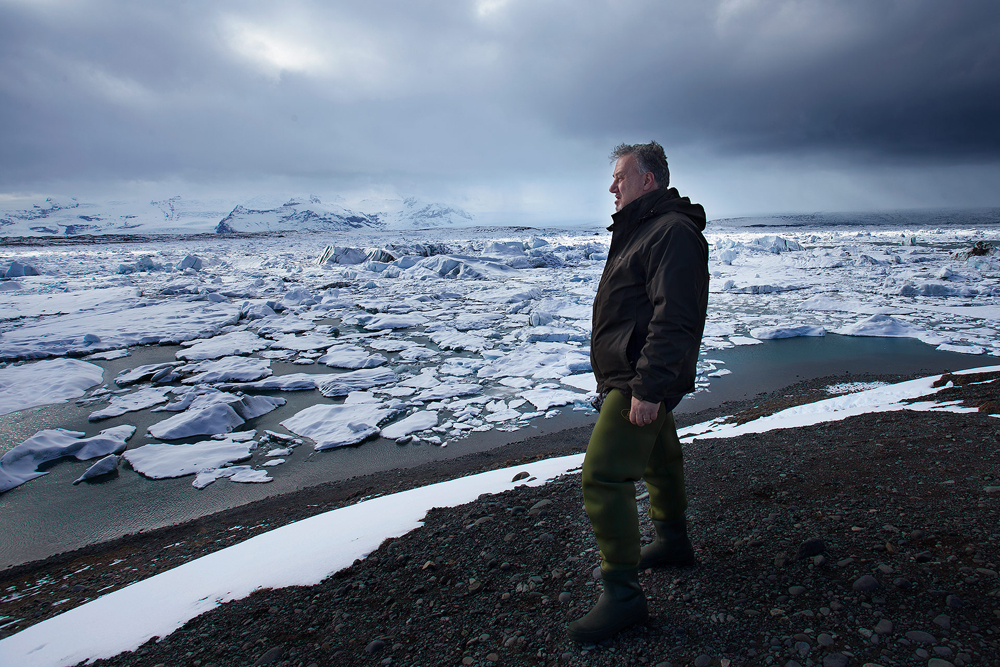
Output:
x,y
677,287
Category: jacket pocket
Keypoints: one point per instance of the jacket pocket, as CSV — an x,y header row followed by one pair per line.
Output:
x,y
611,352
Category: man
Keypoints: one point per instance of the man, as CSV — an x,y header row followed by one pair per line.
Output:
x,y
649,315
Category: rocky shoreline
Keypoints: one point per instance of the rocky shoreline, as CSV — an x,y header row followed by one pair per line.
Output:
x,y
870,540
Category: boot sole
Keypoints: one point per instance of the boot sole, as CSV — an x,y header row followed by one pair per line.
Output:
x,y
595,636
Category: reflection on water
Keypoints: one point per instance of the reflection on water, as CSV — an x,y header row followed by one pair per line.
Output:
x,y
49,515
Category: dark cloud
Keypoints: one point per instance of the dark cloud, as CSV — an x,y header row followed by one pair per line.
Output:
x,y
515,93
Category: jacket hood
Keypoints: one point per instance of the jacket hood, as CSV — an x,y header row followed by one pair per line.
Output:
x,y
658,202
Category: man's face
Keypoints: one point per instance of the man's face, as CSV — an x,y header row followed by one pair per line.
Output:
x,y
629,183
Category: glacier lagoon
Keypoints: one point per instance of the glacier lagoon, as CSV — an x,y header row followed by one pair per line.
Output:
x,y
481,333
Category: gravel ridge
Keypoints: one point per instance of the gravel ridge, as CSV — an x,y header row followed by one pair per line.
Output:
x,y
869,540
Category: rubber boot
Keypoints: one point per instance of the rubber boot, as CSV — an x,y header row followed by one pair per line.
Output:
x,y
670,548
621,604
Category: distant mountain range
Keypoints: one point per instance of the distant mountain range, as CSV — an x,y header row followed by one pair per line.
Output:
x,y
185,216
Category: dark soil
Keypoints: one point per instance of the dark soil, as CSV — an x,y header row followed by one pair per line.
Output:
x,y
910,499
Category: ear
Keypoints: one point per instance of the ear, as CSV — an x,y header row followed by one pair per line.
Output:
x,y
648,181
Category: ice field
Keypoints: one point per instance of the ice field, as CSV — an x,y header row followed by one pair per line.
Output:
x,y
417,336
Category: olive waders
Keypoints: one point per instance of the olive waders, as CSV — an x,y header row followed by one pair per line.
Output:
x,y
619,455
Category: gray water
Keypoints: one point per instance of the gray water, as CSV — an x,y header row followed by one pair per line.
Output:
x,y
48,515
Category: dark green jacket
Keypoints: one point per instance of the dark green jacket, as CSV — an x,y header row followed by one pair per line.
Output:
x,y
649,312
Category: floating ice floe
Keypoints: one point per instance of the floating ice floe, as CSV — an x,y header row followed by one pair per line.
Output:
x,y
21,463
214,413
890,327
226,369
787,331
105,466
159,461
543,399
418,421
151,372
173,321
304,343
46,382
288,382
448,390
351,357
239,474
332,426
137,400
233,343
344,383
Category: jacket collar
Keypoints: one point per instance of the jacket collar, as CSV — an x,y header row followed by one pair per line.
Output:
x,y
639,209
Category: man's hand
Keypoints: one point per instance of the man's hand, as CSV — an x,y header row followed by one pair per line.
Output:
x,y
643,413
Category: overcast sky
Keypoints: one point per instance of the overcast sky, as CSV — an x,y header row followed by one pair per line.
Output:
x,y
506,107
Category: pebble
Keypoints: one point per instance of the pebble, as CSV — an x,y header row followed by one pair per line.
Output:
x,y
954,602
920,637
836,660
814,546
520,475
702,660
943,621
492,657
270,655
796,590
902,583
665,663
865,584
943,652
541,503
824,640
567,656
596,573
565,597
792,663
938,662
884,626
375,646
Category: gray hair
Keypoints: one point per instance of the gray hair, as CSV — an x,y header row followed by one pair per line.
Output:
x,y
649,158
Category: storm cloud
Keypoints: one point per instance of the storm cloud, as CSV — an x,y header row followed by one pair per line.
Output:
x,y
507,103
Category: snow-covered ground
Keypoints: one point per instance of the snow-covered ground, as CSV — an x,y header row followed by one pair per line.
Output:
x,y
326,543
423,336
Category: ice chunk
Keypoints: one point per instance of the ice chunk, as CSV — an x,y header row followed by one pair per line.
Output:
x,y
341,255
289,382
190,262
138,400
20,464
241,474
310,341
226,369
504,248
885,325
344,383
145,372
786,331
299,296
159,461
449,390
962,349
119,324
469,321
234,343
393,321
584,381
516,382
18,270
543,399
352,357
214,419
105,466
418,421
45,382
332,426
743,340
449,339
